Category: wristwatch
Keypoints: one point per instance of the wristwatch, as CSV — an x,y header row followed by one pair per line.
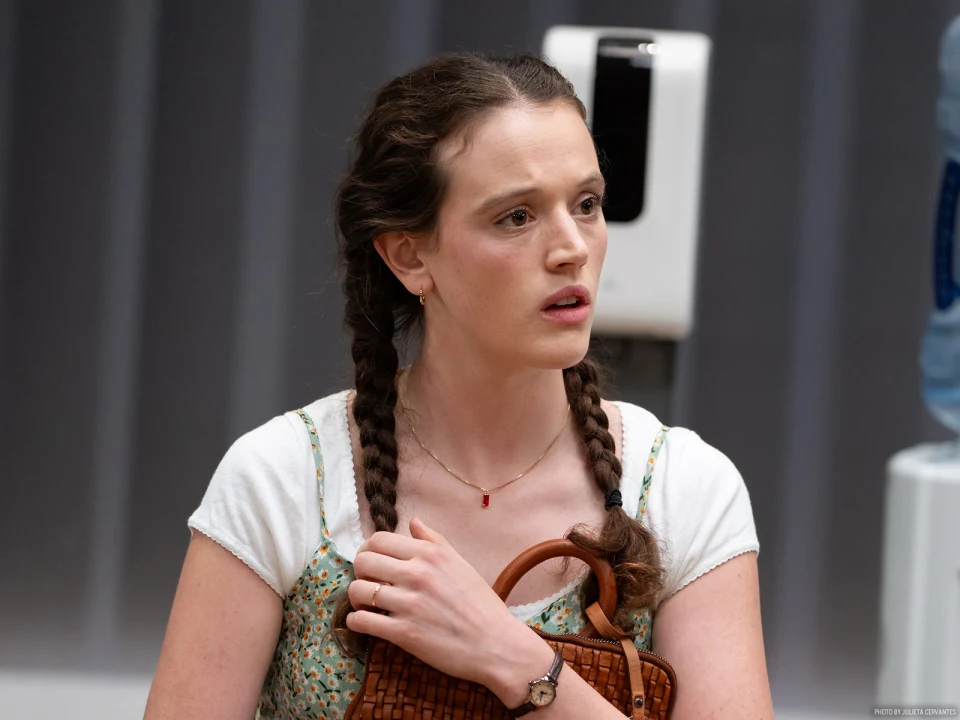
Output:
x,y
543,691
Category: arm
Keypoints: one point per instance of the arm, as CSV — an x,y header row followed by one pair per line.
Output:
x,y
710,632
221,636
428,591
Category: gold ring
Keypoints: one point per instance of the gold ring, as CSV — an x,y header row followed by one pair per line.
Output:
x,y
373,600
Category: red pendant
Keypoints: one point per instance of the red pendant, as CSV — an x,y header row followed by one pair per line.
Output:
x,y
486,500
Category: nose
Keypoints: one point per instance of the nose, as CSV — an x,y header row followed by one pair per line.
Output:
x,y
567,243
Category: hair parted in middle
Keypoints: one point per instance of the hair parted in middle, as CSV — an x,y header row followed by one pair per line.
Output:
x,y
397,183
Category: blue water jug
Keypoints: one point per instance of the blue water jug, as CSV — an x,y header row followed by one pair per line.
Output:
x,y
940,348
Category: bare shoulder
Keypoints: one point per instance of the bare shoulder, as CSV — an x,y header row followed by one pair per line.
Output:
x,y
711,632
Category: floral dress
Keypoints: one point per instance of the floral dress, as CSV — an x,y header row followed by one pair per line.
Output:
x,y
310,678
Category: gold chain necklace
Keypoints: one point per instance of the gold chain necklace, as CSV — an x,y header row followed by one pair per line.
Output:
x,y
485,491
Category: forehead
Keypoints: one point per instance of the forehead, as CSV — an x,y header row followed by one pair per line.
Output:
x,y
544,145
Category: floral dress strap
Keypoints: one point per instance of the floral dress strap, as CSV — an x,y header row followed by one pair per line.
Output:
x,y
643,622
648,470
318,462
309,675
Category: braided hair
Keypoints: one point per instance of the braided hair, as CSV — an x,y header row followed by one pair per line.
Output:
x,y
396,183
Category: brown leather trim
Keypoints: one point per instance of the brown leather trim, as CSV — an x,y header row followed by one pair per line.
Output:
x,y
598,618
636,678
529,559
607,629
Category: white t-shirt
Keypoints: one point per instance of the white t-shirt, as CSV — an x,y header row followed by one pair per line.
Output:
x,y
262,502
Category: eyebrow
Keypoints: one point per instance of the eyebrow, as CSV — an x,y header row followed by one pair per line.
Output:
x,y
503,197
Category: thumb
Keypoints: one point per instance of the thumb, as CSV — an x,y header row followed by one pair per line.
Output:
x,y
420,531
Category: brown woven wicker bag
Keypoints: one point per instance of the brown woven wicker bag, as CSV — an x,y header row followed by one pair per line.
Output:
x,y
398,686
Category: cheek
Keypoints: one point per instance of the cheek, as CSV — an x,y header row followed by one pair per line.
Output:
x,y
490,272
503,278
598,246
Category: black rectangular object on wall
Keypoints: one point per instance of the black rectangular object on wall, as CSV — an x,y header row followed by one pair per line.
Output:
x,y
621,119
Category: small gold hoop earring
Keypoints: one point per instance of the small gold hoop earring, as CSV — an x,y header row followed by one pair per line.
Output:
x,y
421,295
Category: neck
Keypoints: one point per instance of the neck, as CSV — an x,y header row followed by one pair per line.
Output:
x,y
485,423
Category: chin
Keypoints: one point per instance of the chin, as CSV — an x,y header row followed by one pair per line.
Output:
x,y
560,355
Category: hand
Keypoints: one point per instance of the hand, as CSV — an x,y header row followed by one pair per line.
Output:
x,y
442,611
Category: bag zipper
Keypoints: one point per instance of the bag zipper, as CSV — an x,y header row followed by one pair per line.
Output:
x,y
607,641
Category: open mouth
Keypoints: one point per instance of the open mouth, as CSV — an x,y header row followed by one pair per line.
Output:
x,y
565,304
568,303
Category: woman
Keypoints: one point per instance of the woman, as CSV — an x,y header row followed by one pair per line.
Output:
x,y
472,214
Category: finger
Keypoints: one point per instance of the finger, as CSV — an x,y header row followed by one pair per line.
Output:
x,y
370,565
361,594
420,531
394,545
372,623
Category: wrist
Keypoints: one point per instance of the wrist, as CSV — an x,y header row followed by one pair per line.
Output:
x,y
525,658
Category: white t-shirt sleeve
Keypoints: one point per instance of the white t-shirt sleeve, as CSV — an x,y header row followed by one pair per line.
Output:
x,y
700,509
258,500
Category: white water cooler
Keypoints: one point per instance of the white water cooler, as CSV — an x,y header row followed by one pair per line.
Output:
x,y
920,591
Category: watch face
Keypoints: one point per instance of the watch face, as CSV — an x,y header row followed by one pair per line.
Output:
x,y
542,693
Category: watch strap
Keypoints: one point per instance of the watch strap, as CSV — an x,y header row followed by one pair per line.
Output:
x,y
554,673
527,707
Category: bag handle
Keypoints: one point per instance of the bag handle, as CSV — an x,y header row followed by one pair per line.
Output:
x,y
549,549
598,614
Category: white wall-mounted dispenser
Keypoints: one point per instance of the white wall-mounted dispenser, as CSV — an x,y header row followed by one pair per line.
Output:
x,y
646,93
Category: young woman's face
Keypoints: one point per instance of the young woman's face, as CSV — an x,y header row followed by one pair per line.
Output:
x,y
521,221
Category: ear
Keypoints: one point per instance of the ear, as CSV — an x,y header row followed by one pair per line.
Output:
x,y
402,254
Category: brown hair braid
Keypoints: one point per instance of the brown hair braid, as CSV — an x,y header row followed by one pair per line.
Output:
x,y
629,546
396,183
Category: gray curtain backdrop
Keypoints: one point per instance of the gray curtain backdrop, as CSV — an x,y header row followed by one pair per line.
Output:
x,y
166,284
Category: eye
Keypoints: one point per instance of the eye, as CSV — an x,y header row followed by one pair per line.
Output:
x,y
591,204
516,218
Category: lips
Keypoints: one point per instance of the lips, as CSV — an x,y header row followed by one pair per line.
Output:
x,y
577,292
